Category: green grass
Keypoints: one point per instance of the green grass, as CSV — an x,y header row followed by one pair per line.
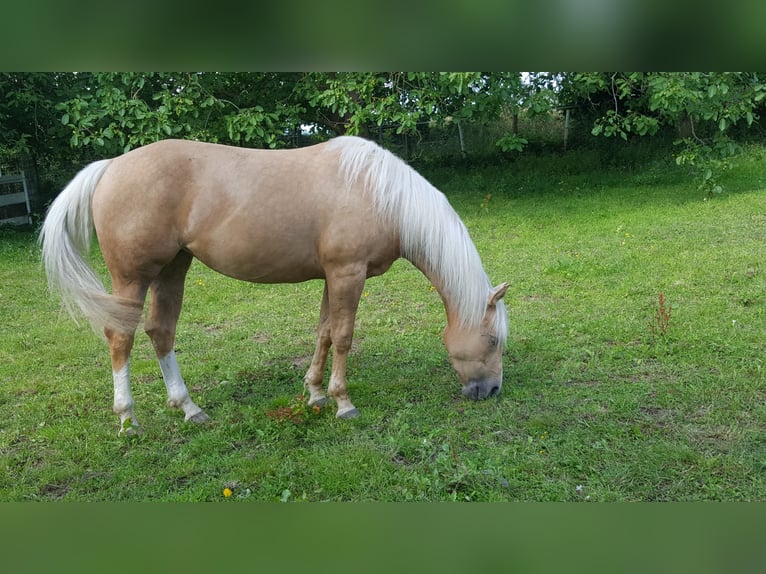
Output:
x,y
595,405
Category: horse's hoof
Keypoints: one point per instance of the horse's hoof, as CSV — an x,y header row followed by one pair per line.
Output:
x,y
320,402
351,413
199,418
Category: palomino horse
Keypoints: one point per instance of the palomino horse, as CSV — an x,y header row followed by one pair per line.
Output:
x,y
341,211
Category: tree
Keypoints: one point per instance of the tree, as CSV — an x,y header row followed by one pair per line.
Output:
x,y
703,108
358,102
81,116
29,121
119,111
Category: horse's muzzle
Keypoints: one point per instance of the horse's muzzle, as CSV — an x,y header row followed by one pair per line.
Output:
x,y
478,390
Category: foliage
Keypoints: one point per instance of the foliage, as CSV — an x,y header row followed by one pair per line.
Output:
x,y
74,117
29,120
125,110
512,142
120,111
701,107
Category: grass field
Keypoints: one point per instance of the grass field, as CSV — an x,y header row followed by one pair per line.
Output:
x,y
608,395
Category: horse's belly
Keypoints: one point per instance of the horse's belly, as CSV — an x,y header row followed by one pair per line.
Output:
x,y
290,262
269,241
261,265
271,274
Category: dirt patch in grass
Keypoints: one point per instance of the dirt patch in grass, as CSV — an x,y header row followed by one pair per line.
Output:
x,y
54,490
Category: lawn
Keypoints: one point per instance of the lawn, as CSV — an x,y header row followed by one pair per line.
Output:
x,y
608,395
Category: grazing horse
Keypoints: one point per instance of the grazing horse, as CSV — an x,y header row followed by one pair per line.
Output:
x,y
341,211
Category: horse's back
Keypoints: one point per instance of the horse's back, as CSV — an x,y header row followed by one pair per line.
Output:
x,y
259,215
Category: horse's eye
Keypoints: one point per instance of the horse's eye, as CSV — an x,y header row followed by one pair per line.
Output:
x,y
492,341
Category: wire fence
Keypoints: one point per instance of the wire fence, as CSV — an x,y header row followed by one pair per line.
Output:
x,y
464,139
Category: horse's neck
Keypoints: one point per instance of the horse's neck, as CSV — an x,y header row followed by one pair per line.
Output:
x,y
450,308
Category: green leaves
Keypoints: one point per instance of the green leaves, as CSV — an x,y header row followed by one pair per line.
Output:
x,y
109,113
404,102
614,124
252,125
511,142
703,106
638,103
120,111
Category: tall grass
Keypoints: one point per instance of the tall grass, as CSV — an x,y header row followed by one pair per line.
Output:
x,y
596,406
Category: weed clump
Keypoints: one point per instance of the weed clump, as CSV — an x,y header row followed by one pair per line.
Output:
x,y
660,324
296,411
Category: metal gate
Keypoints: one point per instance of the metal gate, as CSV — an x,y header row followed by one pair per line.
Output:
x,y
15,207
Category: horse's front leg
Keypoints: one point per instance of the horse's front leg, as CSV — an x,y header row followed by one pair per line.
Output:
x,y
344,289
312,382
164,310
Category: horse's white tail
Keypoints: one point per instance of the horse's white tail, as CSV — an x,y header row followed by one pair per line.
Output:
x,y
65,238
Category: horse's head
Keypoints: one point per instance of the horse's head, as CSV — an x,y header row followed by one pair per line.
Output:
x,y
476,353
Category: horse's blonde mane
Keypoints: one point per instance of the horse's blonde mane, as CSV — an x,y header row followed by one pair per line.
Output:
x,y
431,233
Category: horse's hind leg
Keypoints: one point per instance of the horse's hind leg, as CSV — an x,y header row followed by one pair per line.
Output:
x,y
313,379
120,345
165,307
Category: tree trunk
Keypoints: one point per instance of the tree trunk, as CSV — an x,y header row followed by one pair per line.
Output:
x,y
685,127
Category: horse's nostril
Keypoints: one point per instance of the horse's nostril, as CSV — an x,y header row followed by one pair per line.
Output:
x,y
471,391
477,390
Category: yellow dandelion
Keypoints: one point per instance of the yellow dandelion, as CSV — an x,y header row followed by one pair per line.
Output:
x,y
227,492
316,409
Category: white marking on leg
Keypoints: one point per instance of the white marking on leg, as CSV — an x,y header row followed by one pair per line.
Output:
x,y
123,400
178,394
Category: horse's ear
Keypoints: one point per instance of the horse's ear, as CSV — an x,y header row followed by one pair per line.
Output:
x,y
497,294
